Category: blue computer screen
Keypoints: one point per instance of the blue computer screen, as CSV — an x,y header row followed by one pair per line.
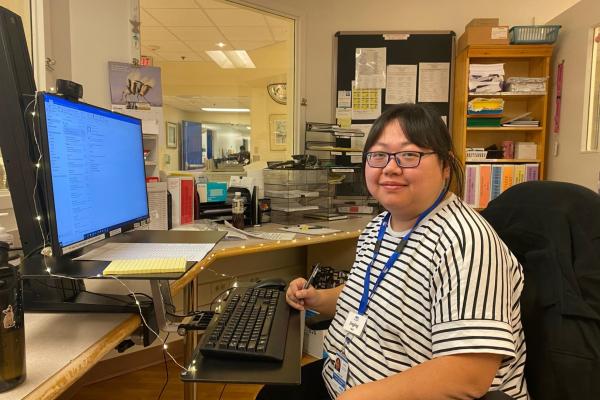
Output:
x,y
96,168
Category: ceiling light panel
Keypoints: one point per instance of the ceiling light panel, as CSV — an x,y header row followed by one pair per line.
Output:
x,y
240,58
236,17
220,59
181,17
205,33
168,4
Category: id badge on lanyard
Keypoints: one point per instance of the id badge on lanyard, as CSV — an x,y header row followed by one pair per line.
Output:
x,y
356,321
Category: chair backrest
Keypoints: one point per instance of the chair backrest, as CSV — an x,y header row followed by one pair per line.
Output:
x,y
553,228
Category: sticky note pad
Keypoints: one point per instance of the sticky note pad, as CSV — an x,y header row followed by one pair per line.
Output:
x,y
145,266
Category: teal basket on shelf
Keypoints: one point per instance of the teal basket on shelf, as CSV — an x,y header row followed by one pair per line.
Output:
x,y
533,34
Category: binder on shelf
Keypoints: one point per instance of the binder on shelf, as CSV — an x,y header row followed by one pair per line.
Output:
x,y
485,176
182,203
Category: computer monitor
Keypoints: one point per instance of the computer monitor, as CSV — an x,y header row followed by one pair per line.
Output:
x,y
93,166
17,89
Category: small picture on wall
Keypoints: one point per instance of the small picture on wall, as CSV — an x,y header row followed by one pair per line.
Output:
x,y
171,135
278,131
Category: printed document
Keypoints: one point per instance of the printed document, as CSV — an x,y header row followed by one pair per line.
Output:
x,y
434,82
401,84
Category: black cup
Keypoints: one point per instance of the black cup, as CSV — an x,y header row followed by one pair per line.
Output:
x,y
12,331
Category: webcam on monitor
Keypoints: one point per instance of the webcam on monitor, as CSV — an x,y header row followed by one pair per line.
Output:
x,y
69,89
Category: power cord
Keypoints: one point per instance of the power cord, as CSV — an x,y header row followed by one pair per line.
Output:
x,y
166,371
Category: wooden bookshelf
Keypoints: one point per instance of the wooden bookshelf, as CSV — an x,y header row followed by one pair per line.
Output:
x,y
518,60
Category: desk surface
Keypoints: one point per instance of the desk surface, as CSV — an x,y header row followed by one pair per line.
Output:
x,y
60,348
55,360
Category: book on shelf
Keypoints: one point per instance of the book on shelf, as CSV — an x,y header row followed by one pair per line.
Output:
x,y
484,182
483,122
182,199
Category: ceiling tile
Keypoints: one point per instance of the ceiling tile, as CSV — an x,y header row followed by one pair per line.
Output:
x,y
149,34
205,33
280,33
176,56
213,4
257,33
279,21
236,17
168,4
202,46
147,20
166,45
250,44
180,17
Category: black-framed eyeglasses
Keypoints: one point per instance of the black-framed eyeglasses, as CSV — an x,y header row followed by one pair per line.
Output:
x,y
404,159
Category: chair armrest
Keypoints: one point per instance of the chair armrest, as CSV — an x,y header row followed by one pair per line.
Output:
x,y
317,322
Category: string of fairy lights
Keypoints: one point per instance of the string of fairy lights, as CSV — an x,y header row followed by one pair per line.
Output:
x,y
46,250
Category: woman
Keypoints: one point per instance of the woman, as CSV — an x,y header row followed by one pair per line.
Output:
x,y
431,306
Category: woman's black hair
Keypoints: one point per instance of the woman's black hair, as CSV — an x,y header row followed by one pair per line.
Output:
x,y
424,127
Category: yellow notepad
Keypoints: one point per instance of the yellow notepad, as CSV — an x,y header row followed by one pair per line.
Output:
x,y
145,266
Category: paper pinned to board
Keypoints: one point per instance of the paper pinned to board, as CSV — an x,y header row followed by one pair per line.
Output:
x,y
434,82
370,68
401,84
366,103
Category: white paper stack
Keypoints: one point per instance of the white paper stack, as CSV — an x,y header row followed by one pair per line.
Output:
x,y
486,78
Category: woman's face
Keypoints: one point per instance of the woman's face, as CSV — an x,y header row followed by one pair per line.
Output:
x,y
407,192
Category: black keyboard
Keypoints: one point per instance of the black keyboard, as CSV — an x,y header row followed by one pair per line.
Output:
x,y
253,326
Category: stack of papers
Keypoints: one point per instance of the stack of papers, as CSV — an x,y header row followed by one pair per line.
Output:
x,y
486,78
484,106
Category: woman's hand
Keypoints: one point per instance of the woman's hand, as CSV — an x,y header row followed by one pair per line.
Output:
x,y
299,298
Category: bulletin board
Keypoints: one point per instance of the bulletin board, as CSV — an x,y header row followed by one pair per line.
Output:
x,y
419,67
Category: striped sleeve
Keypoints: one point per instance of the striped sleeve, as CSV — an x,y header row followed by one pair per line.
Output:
x,y
473,289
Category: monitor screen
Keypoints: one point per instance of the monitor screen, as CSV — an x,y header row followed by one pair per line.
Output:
x,y
94,170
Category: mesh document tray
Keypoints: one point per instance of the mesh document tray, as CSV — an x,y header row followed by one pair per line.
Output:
x,y
533,34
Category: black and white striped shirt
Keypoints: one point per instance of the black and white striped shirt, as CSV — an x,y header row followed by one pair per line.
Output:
x,y
455,289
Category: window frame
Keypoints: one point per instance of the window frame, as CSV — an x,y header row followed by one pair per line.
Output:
x,y
590,141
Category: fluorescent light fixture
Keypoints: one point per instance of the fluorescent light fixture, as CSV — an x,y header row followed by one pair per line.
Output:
x,y
217,109
231,58
220,58
240,58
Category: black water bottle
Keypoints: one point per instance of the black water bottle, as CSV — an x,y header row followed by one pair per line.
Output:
x,y
12,331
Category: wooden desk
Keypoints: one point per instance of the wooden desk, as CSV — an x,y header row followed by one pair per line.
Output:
x,y
60,348
55,360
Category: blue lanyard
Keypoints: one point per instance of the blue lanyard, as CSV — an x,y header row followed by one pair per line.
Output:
x,y
364,301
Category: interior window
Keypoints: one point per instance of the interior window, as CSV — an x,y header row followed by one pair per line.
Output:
x,y
230,69
593,123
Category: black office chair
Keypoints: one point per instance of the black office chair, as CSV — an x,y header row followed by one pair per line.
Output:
x,y
553,228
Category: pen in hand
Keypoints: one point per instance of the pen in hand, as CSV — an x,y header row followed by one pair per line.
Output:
x,y
312,276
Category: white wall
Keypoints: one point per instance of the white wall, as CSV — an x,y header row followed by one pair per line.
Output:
x,y
100,32
320,19
571,164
